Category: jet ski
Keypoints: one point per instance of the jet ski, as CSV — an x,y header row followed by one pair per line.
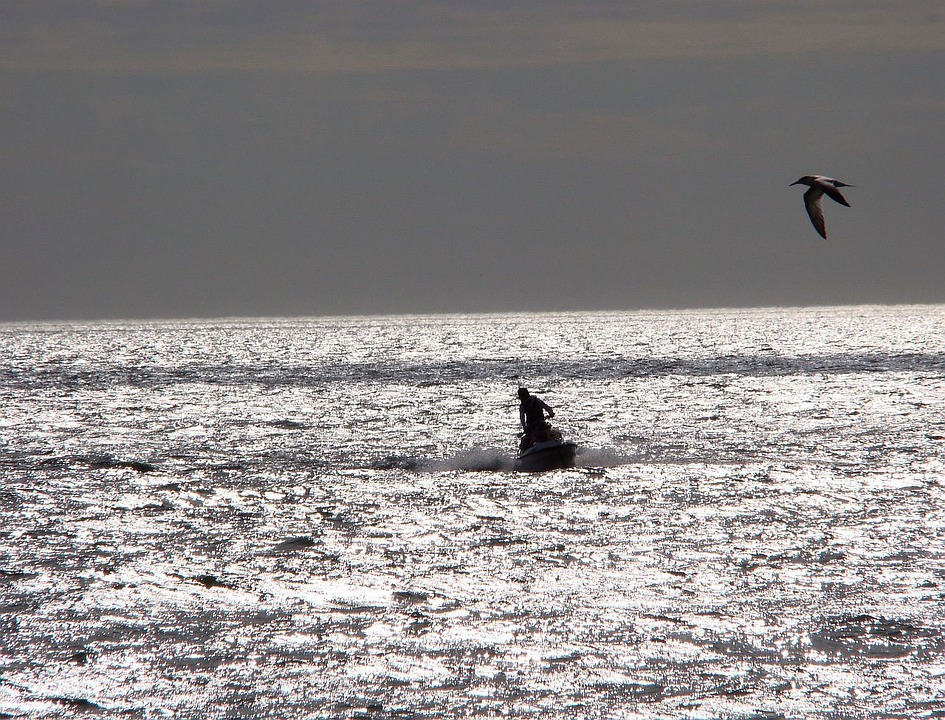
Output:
x,y
548,455
545,449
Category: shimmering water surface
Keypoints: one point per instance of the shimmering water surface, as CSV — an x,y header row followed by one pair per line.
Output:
x,y
317,518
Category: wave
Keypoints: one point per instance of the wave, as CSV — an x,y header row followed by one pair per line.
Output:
x,y
485,459
472,460
426,374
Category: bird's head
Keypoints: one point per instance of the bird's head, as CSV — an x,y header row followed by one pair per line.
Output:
x,y
806,180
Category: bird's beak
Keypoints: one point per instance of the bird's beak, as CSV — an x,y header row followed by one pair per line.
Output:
x,y
796,182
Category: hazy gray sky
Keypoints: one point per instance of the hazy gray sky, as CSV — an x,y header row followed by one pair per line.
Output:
x,y
201,158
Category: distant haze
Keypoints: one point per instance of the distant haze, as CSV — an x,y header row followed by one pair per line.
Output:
x,y
198,159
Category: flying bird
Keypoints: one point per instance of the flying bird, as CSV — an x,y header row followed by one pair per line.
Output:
x,y
818,186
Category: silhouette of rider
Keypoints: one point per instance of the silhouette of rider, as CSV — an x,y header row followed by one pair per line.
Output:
x,y
531,413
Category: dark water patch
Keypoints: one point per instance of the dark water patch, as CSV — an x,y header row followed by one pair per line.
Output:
x,y
346,608
154,508
80,657
210,581
170,487
875,637
16,607
293,545
397,462
451,372
283,424
630,691
79,704
97,462
14,575
667,619
501,541
288,425
410,597
138,465
805,557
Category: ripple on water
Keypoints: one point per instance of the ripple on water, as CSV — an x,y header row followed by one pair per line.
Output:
x,y
318,518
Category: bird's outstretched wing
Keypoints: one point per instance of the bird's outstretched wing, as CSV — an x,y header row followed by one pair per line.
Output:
x,y
835,194
814,210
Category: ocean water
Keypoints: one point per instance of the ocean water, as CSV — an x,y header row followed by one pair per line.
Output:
x,y
318,518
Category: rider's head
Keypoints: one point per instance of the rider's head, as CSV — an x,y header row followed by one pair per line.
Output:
x,y
523,393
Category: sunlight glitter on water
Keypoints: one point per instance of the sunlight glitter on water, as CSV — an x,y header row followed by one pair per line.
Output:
x,y
318,518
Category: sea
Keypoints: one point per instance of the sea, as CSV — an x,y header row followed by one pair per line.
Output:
x,y
320,518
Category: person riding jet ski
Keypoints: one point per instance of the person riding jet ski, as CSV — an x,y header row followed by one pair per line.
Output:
x,y
531,412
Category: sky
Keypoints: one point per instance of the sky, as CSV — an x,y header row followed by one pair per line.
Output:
x,y
222,158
